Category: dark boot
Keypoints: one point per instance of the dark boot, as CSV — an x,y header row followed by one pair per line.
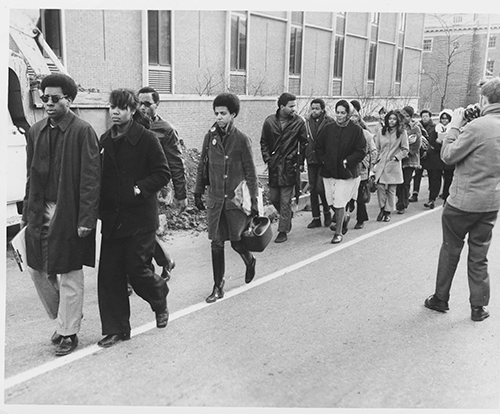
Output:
x,y
248,259
218,266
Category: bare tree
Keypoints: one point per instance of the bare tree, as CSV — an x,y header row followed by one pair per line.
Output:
x,y
445,55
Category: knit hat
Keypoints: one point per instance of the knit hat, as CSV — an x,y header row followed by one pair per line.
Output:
x,y
446,113
409,110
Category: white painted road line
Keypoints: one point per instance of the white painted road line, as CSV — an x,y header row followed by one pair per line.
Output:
x,y
82,353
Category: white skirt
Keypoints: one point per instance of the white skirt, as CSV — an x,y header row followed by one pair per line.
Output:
x,y
339,192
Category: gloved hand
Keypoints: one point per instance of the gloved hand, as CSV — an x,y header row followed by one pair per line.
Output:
x,y
254,209
198,202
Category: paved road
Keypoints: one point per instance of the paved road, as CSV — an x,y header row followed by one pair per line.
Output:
x,y
322,326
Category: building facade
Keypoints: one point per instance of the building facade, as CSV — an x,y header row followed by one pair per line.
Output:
x,y
190,56
459,50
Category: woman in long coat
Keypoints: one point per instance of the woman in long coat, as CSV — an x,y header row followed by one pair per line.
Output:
x,y
228,153
437,170
392,146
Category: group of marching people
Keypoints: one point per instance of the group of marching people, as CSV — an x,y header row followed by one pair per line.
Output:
x,y
386,160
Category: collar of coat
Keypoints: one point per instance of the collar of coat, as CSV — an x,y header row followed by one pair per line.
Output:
x,y
133,135
64,123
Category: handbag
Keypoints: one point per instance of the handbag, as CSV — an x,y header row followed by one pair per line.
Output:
x,y
258,234
364,192
371,184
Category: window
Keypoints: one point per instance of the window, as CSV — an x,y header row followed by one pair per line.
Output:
x,y
238,43
295,50
338,58
490,65
297,17
457,18
340,23
374,18
402,22
399,65
372,61
427,45
492,41
50,25
159,37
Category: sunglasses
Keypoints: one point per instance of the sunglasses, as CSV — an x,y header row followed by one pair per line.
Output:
x,y
54,98
146,104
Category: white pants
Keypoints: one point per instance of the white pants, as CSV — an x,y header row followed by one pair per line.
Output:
x,y
61,295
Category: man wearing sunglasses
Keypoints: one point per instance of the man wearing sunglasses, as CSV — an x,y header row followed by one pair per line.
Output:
x,y
149,99
60,207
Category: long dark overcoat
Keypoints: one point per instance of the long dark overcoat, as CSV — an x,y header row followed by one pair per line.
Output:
x,y
335,144
77,199
228,166
279,148
140,162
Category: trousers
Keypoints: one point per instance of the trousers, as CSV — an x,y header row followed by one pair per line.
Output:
x,y
281,198
61,295
403,190
456,225
386,196
315,196
120,257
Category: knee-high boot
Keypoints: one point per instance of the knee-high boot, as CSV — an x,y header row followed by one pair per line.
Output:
x,y
248,258
218,266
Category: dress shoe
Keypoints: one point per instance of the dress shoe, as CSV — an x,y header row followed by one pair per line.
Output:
x,y
328,219
479,313
281,237
413,198
347,217
56,338
387,216
162,318
250,272
316,222
359,225
434,303
110,340
67,345
217,293
380,216
401,211
429,204
337,238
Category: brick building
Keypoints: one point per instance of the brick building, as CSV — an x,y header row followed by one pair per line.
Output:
x,y
459,50
190,56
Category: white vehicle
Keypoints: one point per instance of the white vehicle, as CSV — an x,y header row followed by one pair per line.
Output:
x,y
26,45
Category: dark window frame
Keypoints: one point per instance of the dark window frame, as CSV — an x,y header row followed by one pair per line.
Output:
x,y
160,38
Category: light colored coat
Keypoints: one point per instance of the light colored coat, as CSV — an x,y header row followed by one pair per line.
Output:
x,y
476,155
388,171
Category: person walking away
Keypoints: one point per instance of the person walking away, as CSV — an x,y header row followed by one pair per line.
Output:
x,y
314,124
228,152
427,126
366,168
412,161
134,170
60,207
392,146
472,207
283,140
340,147
149,100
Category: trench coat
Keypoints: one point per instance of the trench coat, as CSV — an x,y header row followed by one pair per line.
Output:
x,y
388,171
140,162
77,198
228,165
280,148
